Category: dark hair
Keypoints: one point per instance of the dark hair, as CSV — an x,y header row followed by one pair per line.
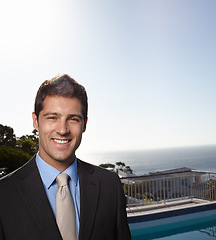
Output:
x,y
64,86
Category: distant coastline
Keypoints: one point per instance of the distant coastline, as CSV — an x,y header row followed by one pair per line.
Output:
x,y
152,160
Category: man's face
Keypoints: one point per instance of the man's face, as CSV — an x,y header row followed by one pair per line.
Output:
x,y
60,125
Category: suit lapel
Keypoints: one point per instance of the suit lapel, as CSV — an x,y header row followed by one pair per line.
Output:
x,y
33,193
89,195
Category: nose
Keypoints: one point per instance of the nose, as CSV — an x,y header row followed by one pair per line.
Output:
x,y
62,128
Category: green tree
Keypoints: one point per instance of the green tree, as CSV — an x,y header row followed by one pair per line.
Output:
x,y
12,158
29,143
108,165
128,169
7,136
27,146
118,166
14,152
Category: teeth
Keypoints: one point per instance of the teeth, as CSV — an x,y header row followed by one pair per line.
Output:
x,y
60,141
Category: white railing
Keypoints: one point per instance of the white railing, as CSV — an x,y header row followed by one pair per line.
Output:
x,y
162,188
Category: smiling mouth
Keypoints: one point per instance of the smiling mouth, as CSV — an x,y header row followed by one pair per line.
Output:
x,y
61,141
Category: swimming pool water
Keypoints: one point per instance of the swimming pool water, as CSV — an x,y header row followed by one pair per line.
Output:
x,y
198,229
193,235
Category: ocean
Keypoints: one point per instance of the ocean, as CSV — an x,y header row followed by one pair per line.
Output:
x,y
145,161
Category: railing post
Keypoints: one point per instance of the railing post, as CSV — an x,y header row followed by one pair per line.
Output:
x,y
129,199
214,188
210,186
164,191
157,190
160,189
191,186
149,192
136,193
146,192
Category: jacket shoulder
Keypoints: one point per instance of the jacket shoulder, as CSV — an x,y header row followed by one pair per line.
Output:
x,y
20,173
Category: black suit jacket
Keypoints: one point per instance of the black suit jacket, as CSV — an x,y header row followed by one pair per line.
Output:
x,y
25,212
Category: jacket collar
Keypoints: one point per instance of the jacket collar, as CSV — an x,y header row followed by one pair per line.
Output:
x,y
89,195
33,193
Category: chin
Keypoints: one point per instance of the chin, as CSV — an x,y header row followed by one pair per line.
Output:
x,y
64,158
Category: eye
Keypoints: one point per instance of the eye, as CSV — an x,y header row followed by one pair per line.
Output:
x,y
52,118
74,119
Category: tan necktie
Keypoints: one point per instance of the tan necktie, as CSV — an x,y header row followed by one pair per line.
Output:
x,y
65,210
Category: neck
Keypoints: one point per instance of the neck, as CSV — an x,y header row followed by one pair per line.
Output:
x,y
60,165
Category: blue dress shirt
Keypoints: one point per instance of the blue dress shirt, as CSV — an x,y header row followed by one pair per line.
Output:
x,y
48,175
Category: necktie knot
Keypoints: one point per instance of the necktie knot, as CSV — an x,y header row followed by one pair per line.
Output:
x,y
62,179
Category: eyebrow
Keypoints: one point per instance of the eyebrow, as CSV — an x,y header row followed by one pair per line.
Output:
x,y
50,113
57,114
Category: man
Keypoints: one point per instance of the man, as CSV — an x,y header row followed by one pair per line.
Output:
x,y
28,196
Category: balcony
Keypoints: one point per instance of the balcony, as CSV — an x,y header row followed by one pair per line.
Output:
x,y
169,188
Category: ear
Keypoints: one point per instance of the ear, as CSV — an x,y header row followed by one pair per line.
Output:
x,y
85,123
35,121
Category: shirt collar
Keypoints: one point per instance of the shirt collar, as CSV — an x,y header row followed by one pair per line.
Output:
x,y
48,173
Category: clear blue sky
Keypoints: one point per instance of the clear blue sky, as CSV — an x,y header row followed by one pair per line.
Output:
x,y
149,67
